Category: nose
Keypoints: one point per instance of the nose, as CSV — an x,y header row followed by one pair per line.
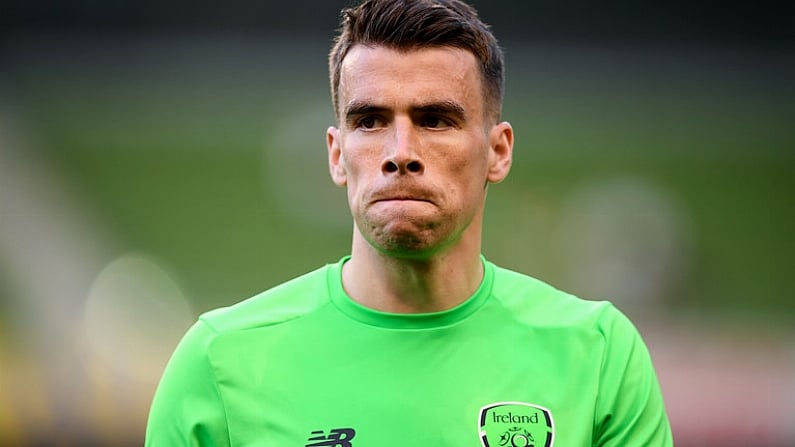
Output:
x,y
401,156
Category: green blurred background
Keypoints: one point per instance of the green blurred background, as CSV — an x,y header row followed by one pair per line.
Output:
x,y
159,160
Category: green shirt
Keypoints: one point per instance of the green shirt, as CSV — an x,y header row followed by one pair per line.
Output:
x,y
517,364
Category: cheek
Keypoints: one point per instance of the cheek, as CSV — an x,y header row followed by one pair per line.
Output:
x,y
359,170
361,157
468,168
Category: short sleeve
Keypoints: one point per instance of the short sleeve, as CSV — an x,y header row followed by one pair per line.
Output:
x,y
187,409
630,409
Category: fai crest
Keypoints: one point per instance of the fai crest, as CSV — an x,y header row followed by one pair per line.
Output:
x,y
515,424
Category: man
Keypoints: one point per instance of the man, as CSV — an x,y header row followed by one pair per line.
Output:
x,y
414,339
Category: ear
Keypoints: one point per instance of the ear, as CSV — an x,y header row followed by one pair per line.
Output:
x,y
500,151
335,161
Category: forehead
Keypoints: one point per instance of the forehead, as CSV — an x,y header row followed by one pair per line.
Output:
x,y
381,74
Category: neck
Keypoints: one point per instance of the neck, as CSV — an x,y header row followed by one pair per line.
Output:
x,y
412,285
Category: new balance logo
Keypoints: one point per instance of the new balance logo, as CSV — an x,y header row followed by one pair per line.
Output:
x,y
338,437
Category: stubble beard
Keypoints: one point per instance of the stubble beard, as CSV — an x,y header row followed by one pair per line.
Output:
x,y
406,237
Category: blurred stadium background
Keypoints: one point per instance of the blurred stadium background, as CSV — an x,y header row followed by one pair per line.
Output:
x,y
158,159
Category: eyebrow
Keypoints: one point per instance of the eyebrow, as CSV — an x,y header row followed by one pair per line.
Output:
x,y
358,108
443,107
448,108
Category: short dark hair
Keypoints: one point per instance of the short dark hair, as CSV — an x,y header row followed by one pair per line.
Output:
x,y
413,24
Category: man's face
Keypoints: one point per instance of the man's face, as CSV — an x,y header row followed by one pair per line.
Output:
x,y
414,148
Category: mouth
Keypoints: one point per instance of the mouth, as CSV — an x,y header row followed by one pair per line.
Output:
x,y
400,202
402,194
402,198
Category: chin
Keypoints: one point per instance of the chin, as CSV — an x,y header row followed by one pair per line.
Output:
x,y
409,245
401,244
404,238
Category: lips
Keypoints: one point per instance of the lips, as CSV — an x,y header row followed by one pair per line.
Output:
x,y
397,200
401,198
402,195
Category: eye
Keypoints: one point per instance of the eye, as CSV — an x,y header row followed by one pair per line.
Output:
x,y
434,122
369,122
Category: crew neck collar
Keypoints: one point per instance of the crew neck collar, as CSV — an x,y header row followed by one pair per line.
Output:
x,y
391,320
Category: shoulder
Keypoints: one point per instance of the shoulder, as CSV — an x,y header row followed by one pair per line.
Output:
x,y
537,303
285,302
